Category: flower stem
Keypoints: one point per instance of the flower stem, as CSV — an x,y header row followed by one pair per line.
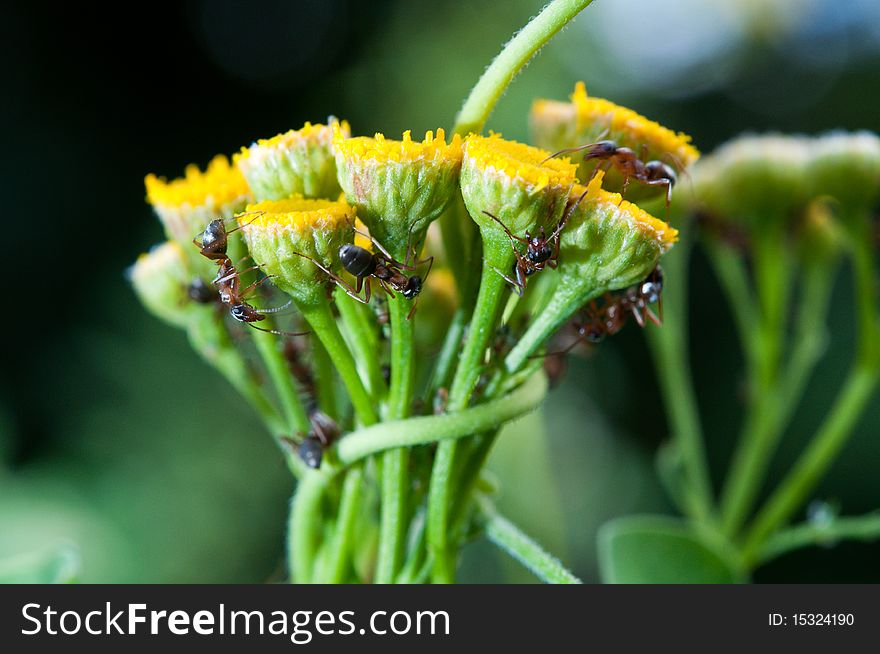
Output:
x,y
669,348
304,526
323,324
341,546
282,379
364,341
470,364
863,528
516,53
512,540
422,430
325,381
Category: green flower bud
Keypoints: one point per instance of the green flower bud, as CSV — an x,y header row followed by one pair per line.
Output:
x,y
607,244
561,125
298,162
846,166
185,205
754,181
517,184
398,187
288,236
160,278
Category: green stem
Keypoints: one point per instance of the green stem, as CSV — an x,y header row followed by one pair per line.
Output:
x,y
861,528
671,361
282,379
325,380
762,427
515,54
512,540
341,547
361,329
422,430
323,324
304,526
470,364
816,459
442,374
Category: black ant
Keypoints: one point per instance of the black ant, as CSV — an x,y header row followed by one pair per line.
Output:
x,y
542,251
630,166
200,292
214,240
323,432
385,269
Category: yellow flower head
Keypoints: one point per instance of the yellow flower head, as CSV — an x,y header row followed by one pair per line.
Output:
x,y
518,184
398,187
297,162
288,236
186,204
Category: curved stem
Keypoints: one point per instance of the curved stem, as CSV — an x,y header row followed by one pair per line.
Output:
x,y
508,537
669,348
515,54
422,430
341,547
304,526
323,324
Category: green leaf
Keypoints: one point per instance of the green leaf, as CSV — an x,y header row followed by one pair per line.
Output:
x,y
58,565
663,550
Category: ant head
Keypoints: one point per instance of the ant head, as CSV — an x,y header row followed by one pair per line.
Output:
x,y
602,150
652,287
311,451
413,287
659,170
244,312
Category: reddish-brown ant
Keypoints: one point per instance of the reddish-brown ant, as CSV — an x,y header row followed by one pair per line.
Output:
x,y
385,269
630,166
323,432
542,251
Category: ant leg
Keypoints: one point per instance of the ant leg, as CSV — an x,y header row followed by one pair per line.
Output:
x,y
506,230
510,281
255,214
277,332
412,311
640,319
653,317
233,275
250,289
344,285
430,262
387,289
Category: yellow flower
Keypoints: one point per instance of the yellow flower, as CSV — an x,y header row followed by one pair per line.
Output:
x,y
298,162
398,187
186,204
281,234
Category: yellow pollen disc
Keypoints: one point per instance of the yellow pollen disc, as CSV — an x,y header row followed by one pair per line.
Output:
x,y
382,150
518,161
297,213
604,113
220,184
645,222
308,133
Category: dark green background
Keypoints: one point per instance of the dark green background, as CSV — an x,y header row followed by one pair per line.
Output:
x,y
113,435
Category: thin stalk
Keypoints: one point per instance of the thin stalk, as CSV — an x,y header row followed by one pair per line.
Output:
x,y
511,539
304,526
671,361
361,329
422,430
860,528
516,53
323,324
341,547
482,327
282,379
816,459
325,380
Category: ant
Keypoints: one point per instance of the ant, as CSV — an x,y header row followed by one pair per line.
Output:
x,y
630,166
385,269
324,431
613,314
200,292
214,240
542,251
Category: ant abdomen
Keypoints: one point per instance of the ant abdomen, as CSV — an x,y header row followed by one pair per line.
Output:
x,y
356,260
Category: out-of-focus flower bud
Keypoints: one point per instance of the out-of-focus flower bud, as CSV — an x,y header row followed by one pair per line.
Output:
x,y
160,278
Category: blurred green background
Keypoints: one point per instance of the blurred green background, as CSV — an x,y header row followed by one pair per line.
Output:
x,y
114,435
